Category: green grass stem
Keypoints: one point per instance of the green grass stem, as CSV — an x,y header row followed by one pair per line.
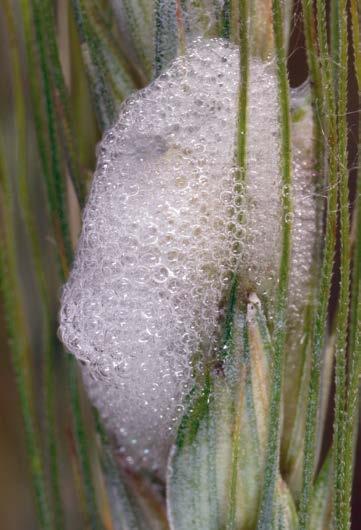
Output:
x,y
272,451
342,509
320,320
241,155
354,372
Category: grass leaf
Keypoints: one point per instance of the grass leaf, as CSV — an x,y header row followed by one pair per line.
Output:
x,y
216,468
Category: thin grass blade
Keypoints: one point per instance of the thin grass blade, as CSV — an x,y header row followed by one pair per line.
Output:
x,y
94,62
31,230
18,342
166,34
320,318
354,372
272,459
342,506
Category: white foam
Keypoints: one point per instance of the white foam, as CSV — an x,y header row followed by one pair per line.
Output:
x,y
162,232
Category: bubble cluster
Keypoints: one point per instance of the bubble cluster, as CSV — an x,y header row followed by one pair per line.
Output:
x,y
166,225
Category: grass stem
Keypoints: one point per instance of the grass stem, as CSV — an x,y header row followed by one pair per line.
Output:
x,y
272,451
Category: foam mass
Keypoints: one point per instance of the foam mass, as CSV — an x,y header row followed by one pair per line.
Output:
x,y
164,228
